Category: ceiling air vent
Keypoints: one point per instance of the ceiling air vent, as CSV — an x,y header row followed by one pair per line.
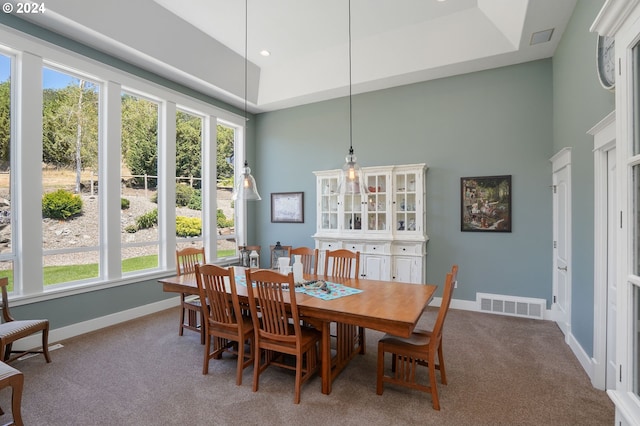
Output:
x,y
541,37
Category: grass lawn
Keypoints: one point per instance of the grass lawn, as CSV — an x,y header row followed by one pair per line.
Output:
x,y
68,273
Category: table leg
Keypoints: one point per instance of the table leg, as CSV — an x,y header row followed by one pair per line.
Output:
x,y
326,358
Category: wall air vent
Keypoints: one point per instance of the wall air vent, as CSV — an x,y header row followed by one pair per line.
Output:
x,y
511,305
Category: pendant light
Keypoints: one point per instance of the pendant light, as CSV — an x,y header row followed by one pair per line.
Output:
x,y
246,188
351,180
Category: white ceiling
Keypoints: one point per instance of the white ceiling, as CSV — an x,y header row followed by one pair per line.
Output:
x,y
201,43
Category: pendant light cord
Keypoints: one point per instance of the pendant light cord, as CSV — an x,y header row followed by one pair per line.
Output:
x,y
246,37
246,43
350,102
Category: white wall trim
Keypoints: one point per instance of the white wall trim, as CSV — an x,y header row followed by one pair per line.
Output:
x,y
583,358
604,140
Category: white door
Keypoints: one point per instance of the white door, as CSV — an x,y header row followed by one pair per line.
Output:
x,y
606,222
561,303
612,292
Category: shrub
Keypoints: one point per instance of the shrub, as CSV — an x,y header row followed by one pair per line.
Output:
x,y
147,220
184,193
226,182
61,204
222,220
188,226
124,204
131,229
195,203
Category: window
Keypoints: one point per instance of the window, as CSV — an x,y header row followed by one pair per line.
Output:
x,y
634,256
104,145
139,168
70,227
188,179
6,232
226,215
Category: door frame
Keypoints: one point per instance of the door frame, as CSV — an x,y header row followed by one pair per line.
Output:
x,y
604,140
561,160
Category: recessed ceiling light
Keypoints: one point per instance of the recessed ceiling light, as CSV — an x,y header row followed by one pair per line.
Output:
x,y
265,53
541,36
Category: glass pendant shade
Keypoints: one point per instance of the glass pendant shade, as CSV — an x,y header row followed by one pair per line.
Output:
x,y
246,188
351,180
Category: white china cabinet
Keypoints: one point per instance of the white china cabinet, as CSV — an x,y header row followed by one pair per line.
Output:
x,y
387,225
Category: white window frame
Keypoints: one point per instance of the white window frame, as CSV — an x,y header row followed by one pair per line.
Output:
x,y
30,55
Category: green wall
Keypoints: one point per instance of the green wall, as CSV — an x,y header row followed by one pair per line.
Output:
x,y
493,122
509,120
579,102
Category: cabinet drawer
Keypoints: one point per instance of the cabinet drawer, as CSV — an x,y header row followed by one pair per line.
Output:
x,y
354,247
329,245
400,249
376,248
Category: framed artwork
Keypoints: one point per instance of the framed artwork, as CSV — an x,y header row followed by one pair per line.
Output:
x,y
485,204
287,207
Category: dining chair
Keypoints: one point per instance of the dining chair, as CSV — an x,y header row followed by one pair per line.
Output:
x,y
10,377
343,263
190,307
418,349
278,251
12,330
277,327
223,320
309,258
244,252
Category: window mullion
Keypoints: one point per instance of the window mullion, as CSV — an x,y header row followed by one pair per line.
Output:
x,y
109,181
209,186
28,194
167,183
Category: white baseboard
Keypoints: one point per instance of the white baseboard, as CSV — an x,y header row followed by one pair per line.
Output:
x,y
77,329
585,360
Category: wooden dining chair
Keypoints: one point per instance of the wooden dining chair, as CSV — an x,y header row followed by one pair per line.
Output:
x,y
223,320
12,330
278,251
420,348
190,308
278,331
244,252
343,263
309,259
10,377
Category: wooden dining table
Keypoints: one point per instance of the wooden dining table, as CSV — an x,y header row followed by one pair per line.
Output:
x,y
386,306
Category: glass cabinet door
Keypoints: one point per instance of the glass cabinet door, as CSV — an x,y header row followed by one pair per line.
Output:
x,y
352,212
406,199
378,185
328,203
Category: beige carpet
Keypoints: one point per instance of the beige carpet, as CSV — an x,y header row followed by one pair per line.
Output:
x,y
501,371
